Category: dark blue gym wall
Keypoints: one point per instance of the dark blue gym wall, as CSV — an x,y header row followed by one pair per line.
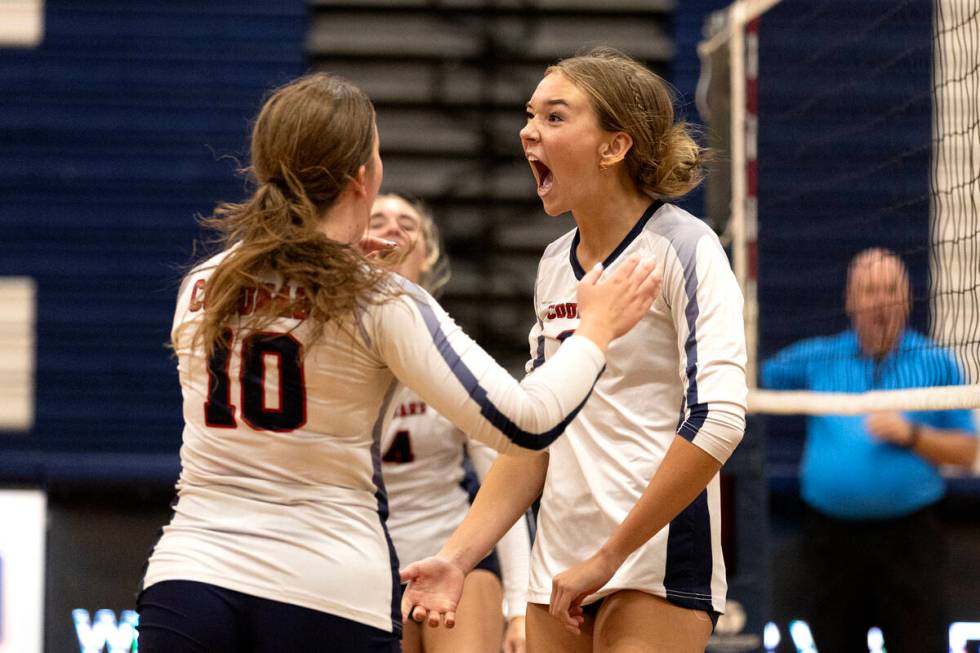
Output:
x,y
844,143
128,120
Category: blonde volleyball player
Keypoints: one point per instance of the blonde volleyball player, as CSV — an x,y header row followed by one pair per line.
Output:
x,y
290,347
627,555
423,471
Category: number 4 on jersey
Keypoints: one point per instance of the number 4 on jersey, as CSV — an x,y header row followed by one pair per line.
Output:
x,y
400,450
291,412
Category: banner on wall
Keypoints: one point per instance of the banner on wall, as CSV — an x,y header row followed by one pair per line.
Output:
x,y
22,523
21,23
17,343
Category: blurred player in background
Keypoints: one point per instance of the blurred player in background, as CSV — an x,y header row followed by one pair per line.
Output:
x,y
628,547
290,347
423,473
871,542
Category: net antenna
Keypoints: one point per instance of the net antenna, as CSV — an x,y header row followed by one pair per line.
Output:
x,y
827,158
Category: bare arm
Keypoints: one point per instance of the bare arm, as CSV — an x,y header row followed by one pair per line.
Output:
x,y
435,584
684,473
510,487
513,548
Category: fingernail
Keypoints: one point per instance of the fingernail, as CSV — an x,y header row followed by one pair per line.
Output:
x,y
597,266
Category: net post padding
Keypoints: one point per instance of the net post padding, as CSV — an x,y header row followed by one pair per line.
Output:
x,y
739,37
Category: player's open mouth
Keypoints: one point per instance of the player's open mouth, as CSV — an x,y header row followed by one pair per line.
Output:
x,y
542,175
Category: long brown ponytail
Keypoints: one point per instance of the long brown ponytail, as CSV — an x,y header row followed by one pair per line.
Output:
x,y
308,142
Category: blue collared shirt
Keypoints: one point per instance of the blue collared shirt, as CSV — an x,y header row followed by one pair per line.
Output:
x,y
845,471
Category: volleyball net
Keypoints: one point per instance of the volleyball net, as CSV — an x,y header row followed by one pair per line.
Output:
x,y
842,128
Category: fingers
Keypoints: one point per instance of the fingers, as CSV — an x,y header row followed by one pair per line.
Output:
x,y
626,269
409,573
434,619
592,276
560,600
570,617
652,282
566,606
371,244
406,609
644,272
515,645
574,624
635,273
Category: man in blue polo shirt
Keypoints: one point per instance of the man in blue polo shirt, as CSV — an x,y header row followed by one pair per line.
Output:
x,y
871,541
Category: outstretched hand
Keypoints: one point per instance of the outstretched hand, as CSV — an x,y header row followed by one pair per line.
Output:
x,y
434,588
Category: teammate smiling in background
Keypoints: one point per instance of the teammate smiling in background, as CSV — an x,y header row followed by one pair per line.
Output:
x,y
628,549
423,471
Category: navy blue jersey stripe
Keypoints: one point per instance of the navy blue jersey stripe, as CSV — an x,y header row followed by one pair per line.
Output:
x,y
692,425
691,312
687,573
630,237
478,393
381,495
684,241
539,353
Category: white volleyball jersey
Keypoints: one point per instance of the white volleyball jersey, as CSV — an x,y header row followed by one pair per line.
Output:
x,y
423,471
679,371
280,494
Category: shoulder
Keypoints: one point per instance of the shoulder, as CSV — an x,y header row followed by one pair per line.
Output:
x,y
401,302
918,345
200,273
921,350
914,339
207,266
689,242
690,253
681,229
555,261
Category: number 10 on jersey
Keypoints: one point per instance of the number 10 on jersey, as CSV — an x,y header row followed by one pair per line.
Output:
x,y
255,351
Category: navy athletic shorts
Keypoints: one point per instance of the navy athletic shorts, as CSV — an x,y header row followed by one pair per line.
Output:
x,y
190,617
491,563
592,609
